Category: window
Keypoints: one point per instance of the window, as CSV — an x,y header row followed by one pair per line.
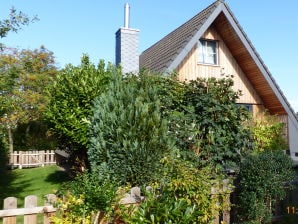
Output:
x,y
246,106
208,53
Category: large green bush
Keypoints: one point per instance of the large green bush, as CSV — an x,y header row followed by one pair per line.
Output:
x,y
128,136
71,99
221,138
263,180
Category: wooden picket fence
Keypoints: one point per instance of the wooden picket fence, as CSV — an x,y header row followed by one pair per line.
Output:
x,y
30,210
23,159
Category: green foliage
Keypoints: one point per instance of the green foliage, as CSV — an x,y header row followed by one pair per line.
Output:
x,y
71,210
204,118
220,138
34,135
184,196
96,195
71,97
268,134
24,75
128,136
263,180
14,23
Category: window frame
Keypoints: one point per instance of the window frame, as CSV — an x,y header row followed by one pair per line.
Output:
x,y
247,106
202,52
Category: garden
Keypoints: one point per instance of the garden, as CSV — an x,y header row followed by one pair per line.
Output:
x,y
195,153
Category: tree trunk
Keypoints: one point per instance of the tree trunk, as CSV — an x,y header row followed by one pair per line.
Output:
x,y
10,140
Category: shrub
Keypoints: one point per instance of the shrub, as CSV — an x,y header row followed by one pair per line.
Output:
x,y
70,99
182,196
96,194
71,210
263,180
268,133
128,136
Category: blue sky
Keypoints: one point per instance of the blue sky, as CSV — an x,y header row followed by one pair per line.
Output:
x,y
70,28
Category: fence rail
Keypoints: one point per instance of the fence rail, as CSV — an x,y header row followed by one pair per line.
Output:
x,y
32,158
30,210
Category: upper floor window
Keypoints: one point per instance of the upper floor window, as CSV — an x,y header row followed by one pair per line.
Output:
x,y
246,106
208,52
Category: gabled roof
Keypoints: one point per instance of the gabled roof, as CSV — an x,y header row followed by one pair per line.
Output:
x,y
160,56
170,51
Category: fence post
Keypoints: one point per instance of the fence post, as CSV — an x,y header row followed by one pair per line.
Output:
x,y
10,203
30,202
21,159
50,199
42,157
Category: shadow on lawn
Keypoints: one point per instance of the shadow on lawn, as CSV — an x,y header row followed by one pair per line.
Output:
x,y
58,177
6,188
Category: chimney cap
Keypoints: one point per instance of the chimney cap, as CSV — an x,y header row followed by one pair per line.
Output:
x,y
126,15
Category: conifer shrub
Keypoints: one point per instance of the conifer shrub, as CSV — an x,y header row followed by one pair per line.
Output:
x,y
128,136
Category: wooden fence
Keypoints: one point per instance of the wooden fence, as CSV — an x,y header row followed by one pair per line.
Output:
x,y
30,210
22,159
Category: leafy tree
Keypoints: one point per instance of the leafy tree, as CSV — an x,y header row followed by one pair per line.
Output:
x,y
24,76
205,119
71,100
221,137
128,136
14,23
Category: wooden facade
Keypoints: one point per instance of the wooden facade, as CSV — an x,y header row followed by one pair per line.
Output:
x,y
190,69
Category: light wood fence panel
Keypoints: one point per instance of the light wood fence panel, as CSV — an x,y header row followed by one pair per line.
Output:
x,y
22,159
29,211
10,203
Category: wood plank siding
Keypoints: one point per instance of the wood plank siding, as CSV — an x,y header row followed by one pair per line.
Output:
x,y
235,61
228,66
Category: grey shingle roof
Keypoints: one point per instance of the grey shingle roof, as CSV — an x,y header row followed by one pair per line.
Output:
x,y
159,56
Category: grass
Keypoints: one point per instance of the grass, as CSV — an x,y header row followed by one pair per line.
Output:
x,y
39,181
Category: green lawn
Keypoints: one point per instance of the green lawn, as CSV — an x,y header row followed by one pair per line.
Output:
x,y
39,181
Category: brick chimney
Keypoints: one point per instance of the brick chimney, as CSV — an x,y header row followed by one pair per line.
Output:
x,y
127,45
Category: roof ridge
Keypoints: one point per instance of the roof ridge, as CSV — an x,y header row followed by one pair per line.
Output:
x,y
198,19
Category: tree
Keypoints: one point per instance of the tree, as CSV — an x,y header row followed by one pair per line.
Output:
x,y
24,76
14,23
205,120
71,100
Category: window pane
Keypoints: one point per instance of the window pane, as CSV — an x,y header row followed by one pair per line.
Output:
x,y
207,52
210,59
211,47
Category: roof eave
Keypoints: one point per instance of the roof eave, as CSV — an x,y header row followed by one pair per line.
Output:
x,y
260,64
182,54
222,7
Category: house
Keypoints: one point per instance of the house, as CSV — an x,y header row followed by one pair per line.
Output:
x,y
211,44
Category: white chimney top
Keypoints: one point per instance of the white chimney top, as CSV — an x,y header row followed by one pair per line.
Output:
x,y
126,15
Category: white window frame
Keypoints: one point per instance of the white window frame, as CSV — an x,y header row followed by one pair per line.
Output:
x,y
204,55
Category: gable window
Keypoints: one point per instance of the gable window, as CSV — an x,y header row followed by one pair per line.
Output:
x,y
208,52
246,106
